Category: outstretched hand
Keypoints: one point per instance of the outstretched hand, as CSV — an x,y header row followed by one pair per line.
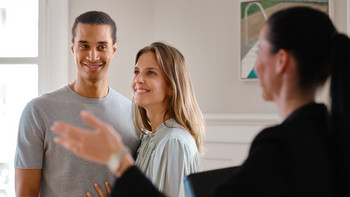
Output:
x,y
96,145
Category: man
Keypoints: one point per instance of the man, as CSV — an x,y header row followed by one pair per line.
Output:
x,y
42,167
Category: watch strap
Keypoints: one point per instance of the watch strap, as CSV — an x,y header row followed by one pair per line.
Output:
x,y
115,159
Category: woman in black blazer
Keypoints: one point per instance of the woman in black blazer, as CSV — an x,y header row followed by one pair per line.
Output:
x,y
298,49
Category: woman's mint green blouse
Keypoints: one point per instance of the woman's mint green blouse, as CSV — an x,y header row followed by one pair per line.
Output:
x,y
167,156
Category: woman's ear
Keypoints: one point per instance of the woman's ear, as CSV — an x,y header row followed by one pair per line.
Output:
x,y
282,61
170,92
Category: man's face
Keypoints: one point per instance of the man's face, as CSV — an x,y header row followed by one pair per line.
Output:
x,y
93,50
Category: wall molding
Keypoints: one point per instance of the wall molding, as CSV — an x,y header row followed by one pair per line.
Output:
x,y
228,136
236,127
241,118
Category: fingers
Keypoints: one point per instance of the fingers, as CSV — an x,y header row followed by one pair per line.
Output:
x,y
97,124
65,143
70,136
108,188
67,130
99,190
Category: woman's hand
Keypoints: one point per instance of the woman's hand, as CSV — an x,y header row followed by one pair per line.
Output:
x,y
100,192
97,145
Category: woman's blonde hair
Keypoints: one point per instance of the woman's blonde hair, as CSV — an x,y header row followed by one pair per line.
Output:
x,y
183,106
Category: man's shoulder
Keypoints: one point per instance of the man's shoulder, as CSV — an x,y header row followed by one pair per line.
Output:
x,y
50,97
58,92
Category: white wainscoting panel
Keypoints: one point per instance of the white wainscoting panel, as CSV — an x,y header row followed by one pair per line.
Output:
x,y
228,137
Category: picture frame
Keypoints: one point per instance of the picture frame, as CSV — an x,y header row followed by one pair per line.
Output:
x,y
253,14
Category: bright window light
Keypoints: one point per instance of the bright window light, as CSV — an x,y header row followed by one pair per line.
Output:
x,y
18,85
18,28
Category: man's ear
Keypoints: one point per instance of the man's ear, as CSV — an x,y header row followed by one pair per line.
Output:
x,y
114,48
72,48
282,61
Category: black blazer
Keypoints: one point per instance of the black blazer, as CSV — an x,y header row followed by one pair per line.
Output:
x,y
294,158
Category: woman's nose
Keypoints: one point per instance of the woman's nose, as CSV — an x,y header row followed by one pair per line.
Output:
x,y
139,78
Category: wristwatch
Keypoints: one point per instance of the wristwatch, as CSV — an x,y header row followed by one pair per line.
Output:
x,y
115,159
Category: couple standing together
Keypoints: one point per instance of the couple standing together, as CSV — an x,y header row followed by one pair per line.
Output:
x,y
164,111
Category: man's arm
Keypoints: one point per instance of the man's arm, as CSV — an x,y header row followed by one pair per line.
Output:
x,y
27,182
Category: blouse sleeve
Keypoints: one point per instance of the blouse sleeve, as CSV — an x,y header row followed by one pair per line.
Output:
x,y
175,162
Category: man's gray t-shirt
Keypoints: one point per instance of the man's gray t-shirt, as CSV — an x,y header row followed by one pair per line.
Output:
x,y
64,174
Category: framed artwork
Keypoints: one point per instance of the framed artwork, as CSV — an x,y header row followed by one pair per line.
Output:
x,y
253,17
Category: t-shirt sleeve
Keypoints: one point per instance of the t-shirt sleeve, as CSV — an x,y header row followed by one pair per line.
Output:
x,y
30,140
175,163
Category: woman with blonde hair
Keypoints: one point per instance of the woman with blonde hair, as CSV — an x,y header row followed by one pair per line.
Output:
x,y
165,111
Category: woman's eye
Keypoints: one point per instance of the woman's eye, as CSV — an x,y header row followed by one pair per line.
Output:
x,y
136,72
151,73
103,47
84,46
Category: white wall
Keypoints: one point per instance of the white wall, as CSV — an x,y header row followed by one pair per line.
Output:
x,y
53,42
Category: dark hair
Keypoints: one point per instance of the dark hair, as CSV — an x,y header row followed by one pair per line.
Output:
x,y
95,18
306,33
320,51
340,98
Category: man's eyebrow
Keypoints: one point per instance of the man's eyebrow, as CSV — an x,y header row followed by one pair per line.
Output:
x,y
100,42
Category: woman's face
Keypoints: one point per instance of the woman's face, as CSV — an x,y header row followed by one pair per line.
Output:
x,y
265,66
150,88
